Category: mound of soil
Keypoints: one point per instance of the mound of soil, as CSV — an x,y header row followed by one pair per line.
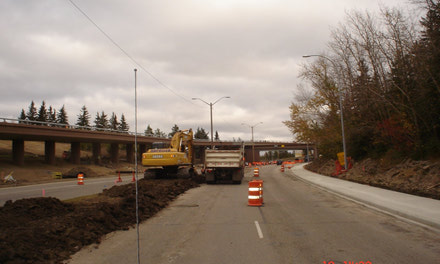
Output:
x,y
414,177
47,230
73,173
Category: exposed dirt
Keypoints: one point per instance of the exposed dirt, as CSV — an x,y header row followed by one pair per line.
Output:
x,y
35,171
414,177
47,230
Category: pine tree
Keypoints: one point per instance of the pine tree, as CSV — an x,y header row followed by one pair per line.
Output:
x,y
159,133
51,115
123,126
101,120
174,130
32,112
83,118
216,136
22,116
62,116
149,131
114,124
201,134
42,113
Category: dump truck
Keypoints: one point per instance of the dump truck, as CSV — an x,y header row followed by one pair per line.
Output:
x,y
174,161
224,165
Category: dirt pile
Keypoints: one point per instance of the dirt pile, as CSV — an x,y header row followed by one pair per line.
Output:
x,y
46,230
414,177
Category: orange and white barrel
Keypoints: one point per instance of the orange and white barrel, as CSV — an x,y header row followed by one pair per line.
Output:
x,y
80,178
282,167
255,193
256,172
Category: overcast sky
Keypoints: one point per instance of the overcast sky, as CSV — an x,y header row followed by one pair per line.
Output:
x,y
249,50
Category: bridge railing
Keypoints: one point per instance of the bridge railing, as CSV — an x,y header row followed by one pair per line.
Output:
x,y
93,128
68,126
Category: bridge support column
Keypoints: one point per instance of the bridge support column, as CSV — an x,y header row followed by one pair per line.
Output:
x,y
114,153
142,149
129,149
248,155
18,152
96,153
49,152
75,155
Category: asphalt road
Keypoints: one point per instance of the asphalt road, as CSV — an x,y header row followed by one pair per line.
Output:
x,y
65,189
298,223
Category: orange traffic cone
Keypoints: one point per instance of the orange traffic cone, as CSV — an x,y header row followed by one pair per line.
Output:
x,y
119,177
133,179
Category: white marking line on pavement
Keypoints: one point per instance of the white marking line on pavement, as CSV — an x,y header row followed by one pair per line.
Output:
x,y
260,234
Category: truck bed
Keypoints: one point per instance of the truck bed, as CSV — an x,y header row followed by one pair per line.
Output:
x,y
223,158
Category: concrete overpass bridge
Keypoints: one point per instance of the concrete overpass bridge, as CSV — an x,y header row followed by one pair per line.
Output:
x,y
19,131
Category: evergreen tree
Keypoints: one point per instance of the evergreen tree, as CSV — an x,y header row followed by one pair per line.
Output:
x,y
42,113
51,115
83,118
101,121
22,116
158,133
62,116
216,136
149,131
114,124
174,129
123,126
32,112
201,134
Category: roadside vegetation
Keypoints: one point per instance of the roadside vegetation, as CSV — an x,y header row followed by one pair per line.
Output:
x,y
386,69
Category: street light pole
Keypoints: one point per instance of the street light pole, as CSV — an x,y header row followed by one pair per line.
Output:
x,y
210,111
253,144
340,108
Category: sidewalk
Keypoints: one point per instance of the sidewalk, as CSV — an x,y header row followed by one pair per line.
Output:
x,y
422,210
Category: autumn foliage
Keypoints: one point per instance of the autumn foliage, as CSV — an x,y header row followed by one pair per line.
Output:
x,y
385,68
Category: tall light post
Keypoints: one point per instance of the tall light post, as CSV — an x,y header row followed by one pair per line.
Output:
x,y
210,108
340,109
253,144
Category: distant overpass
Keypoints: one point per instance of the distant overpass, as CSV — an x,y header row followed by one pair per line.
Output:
x,y
18,133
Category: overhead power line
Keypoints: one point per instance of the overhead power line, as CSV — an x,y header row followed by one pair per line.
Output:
x,y
127,54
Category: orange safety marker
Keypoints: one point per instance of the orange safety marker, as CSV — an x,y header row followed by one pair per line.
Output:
x,y
119,177
256,172
133,179
80,178
282,167
255,193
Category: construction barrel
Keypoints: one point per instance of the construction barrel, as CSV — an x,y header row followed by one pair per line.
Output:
x,y
256,172
80,178
255,193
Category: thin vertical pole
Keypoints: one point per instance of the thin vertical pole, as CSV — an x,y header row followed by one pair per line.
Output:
x,y
212,128
136,165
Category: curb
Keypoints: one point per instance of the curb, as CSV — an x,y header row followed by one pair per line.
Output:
x,y
426,223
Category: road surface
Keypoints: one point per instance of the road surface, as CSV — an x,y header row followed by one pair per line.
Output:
x,y
298,223
65,189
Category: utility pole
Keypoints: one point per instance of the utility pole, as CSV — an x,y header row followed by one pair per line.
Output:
x,y
253,144
210,111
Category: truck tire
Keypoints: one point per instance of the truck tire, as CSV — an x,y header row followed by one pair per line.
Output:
x,y
210,178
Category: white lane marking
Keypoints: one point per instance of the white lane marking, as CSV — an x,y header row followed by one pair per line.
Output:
x,y
260,234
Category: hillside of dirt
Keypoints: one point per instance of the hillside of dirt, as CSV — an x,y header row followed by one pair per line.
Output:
x,y
47,230
420,178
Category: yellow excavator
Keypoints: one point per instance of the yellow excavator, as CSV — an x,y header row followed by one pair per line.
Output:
x,y
176,161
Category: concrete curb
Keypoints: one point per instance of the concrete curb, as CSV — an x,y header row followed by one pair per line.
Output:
x,y
420,210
